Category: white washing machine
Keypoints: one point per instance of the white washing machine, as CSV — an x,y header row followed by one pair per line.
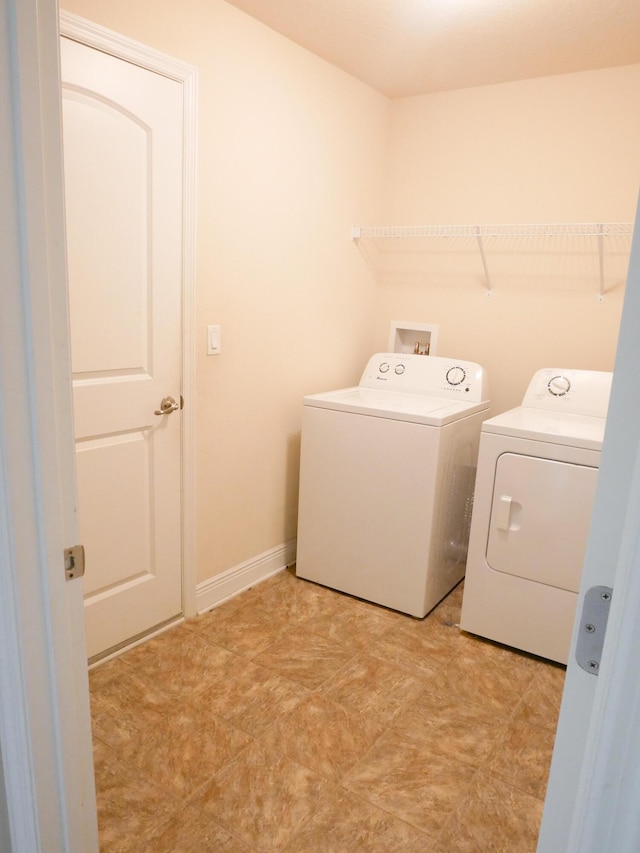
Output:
x,y
386,480
535,486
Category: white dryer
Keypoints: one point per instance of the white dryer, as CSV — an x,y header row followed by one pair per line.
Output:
x,y
537,472
386,480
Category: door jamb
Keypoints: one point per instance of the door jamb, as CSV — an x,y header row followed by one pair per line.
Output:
x,y
47,790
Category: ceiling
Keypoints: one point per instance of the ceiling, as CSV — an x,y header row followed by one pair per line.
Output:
x,y
413,47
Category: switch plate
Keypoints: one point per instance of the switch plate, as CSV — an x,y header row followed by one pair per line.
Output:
x,y
213,340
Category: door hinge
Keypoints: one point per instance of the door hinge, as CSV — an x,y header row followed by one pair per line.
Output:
x,y
74,562
593,627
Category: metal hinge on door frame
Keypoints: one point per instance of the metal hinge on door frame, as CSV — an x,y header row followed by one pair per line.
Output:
x,y
74,562
593,627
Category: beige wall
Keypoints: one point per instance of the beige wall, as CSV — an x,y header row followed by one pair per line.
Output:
x,y
557,149
291,153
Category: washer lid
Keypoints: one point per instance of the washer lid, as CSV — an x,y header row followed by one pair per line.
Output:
x,y
413,408
553,427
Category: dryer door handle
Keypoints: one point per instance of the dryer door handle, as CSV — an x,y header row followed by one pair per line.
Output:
x,y
503,512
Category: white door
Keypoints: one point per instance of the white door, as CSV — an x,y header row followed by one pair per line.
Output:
x,y
594,784
123,131
540,519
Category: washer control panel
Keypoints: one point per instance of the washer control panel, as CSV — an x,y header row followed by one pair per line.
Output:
x,y
577,392
429,375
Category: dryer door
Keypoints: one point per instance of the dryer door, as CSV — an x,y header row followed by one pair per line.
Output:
x,y
540,518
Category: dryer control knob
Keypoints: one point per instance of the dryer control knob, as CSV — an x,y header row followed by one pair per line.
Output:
x,y
559,386
456,375
400,369
384,367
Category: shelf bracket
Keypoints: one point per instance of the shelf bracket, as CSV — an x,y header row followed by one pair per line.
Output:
x,y
484,260
601,259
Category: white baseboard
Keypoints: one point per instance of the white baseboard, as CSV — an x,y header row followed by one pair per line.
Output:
x,y
221,587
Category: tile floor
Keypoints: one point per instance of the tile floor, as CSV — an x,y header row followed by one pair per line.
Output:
x,y
294,718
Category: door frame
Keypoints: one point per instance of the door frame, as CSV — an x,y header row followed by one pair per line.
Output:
x,y
594,783
47,792
92,35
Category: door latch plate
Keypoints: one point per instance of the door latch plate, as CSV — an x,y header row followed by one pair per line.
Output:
x,y
74,562
593,627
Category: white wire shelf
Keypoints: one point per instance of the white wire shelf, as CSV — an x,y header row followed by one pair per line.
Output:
x,y
383,235
564,229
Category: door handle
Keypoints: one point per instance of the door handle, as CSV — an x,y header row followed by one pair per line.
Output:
x,y
167,405
503,512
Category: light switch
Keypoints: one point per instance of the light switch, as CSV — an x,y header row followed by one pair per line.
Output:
x,y
213,340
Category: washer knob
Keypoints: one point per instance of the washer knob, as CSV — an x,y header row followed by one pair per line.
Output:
x,y
400,369
559,386
384,367
456,375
